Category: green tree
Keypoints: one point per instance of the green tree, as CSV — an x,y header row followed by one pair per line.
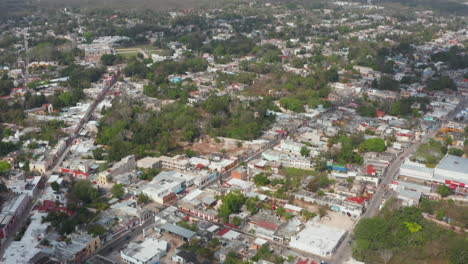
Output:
x,y
143,198
413,227
372,144
456,152
459,252
444,190
4,167
84,191
98,153
232,202
118,191
305,151
96,230
261,179
55,186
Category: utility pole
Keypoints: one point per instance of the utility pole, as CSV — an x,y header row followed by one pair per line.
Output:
x,y
26,47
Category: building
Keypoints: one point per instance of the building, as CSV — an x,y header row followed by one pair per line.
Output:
x,y
240,173
349,206
184,257
451,171
318,239
243,186
94,52
149,163
162,192
147,252
12,211
78,249
174,163
183,233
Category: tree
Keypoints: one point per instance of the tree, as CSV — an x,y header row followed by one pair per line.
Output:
x,y
261,179
96,230
143,198
4,167
448,140
372,144
444,190
305,151
83,190
413,227
55,186
232,203
459,252
98,153
118,191
388,83
456,152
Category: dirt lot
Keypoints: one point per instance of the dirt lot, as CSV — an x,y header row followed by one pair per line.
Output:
x,y
333,219
337,220
230,146
174,243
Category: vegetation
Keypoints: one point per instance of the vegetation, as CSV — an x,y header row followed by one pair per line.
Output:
x,y
129,128
430,153
118,191
261,179
444,191
232,203
404,236
372,145
345,152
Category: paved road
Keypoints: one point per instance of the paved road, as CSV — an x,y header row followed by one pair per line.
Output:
x,y
124,238
343,252
56,164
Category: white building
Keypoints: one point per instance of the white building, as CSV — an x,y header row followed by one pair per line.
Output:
x,y
149,163
318,239
451,170
175,163
149,251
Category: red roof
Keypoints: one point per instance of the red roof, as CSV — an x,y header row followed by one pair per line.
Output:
x,y
223,231
200,166
50,206
266,225
380,113
404,135
356,199
303,261
370,170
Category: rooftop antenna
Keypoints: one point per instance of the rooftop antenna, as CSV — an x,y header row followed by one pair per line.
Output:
x,y
26,46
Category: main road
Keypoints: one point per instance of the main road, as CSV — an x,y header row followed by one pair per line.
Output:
x,y
343,252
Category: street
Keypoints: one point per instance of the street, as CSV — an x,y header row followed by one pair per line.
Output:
x,y
343,251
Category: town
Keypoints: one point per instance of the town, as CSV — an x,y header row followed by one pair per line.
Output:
x,y
294,132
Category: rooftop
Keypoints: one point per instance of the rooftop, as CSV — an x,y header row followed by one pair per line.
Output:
x,y
145,250
454,163
317,238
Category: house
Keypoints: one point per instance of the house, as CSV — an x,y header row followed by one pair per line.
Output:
x,y
184,257
183,233
318,239
147,252
240,173
149,163
243,186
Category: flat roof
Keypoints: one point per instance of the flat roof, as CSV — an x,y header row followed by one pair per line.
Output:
x,y
178,230
454,163
145,250
413,195
317,239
